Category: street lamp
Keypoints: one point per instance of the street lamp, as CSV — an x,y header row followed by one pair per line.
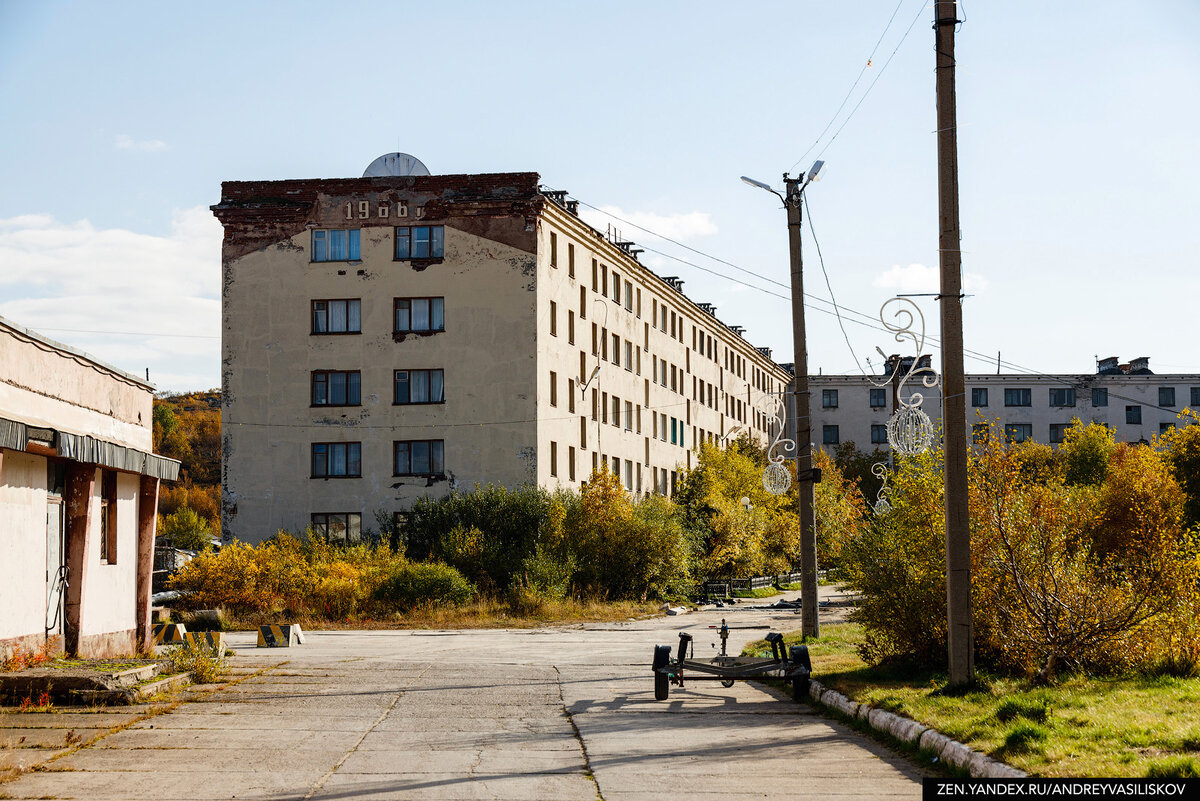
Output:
x,y
792,198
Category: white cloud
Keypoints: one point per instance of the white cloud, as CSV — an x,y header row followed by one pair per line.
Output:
x,y
158,295
687,225
126,142
919,278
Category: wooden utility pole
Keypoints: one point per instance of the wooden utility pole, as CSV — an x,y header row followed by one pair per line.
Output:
x,y
960,632
809,624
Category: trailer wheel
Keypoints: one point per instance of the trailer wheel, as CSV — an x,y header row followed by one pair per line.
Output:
x,y
800,689
662,686
726,682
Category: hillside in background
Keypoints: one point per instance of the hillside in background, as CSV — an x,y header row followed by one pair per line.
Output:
x,y
187,427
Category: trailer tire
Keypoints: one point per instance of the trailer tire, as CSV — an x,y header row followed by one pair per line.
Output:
x,y
726,682
800,689
662,686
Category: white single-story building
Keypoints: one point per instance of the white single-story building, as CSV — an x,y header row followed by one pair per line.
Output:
x,y
78,500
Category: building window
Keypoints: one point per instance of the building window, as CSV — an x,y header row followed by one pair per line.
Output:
x,y
979,432
336,459
1018,397
1133,415
553,249
616,349
553,319
336,317
419,457
829,434
570,327
419,386
878,398
1165,427
628,296
570,260
1166,397
1099,397
108,517
628,415
829,398
335,245
420,315
1018,432
878,434
554,459
1195,401
420,242
629,355
616,411
1062,397
335,387
553,388
616,285
1058,432
338,526
979,397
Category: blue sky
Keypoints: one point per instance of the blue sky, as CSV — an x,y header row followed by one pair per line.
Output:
x,y
1077,145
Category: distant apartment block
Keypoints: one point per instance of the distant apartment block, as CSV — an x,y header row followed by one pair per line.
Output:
x,y
1127,398
387,338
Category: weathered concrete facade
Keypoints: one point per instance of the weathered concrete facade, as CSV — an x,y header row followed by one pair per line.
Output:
x,y
78,499
389,338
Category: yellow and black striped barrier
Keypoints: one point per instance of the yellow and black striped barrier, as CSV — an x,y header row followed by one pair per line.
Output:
x,y
166,633
280,636
212,639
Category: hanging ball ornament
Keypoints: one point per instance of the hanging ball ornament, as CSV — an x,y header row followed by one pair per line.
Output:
x,y
776,479
910,431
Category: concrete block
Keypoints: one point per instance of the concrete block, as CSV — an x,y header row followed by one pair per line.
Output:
x,y
279,636
168,633
213,639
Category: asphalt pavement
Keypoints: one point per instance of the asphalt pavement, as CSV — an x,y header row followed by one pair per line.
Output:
x,y
562,714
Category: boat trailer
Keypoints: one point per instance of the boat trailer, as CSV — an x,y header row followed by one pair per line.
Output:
x,y
790,664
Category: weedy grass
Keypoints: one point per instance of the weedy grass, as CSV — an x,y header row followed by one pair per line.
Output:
x,y
205,664
525,611
1121,726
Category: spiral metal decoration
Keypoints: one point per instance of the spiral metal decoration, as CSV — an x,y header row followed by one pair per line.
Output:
x,y
776,478
909,430
882,505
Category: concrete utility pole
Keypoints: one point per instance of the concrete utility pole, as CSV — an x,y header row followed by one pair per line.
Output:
x,y
810,625
961,635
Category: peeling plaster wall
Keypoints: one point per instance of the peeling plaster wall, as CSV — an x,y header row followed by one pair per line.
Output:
x,y
22,545
108,599
44,385
489,283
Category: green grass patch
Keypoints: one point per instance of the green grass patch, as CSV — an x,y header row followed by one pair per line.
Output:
x,y
1134,725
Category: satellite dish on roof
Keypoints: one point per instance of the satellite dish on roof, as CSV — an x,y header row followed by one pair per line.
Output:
x,y
395,164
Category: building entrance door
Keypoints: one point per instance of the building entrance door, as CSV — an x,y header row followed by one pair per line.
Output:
x,y
56,567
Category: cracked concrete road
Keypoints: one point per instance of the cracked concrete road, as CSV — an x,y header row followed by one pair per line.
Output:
x,y
564,714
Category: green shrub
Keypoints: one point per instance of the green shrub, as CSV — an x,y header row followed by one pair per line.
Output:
x,y
416,583
185,529
506,524
205,664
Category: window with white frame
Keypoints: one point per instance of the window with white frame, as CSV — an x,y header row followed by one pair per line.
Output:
x,y
337,316
420,242
419,457
336,245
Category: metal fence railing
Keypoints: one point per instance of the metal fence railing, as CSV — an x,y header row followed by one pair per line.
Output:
x,y
726,587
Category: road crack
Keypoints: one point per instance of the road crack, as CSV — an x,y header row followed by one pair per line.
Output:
x,y
587,761
382,717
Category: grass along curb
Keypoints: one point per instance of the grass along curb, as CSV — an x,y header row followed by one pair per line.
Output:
x,y
909,731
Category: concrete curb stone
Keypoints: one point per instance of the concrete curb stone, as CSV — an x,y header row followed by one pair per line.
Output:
x,y
910,731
